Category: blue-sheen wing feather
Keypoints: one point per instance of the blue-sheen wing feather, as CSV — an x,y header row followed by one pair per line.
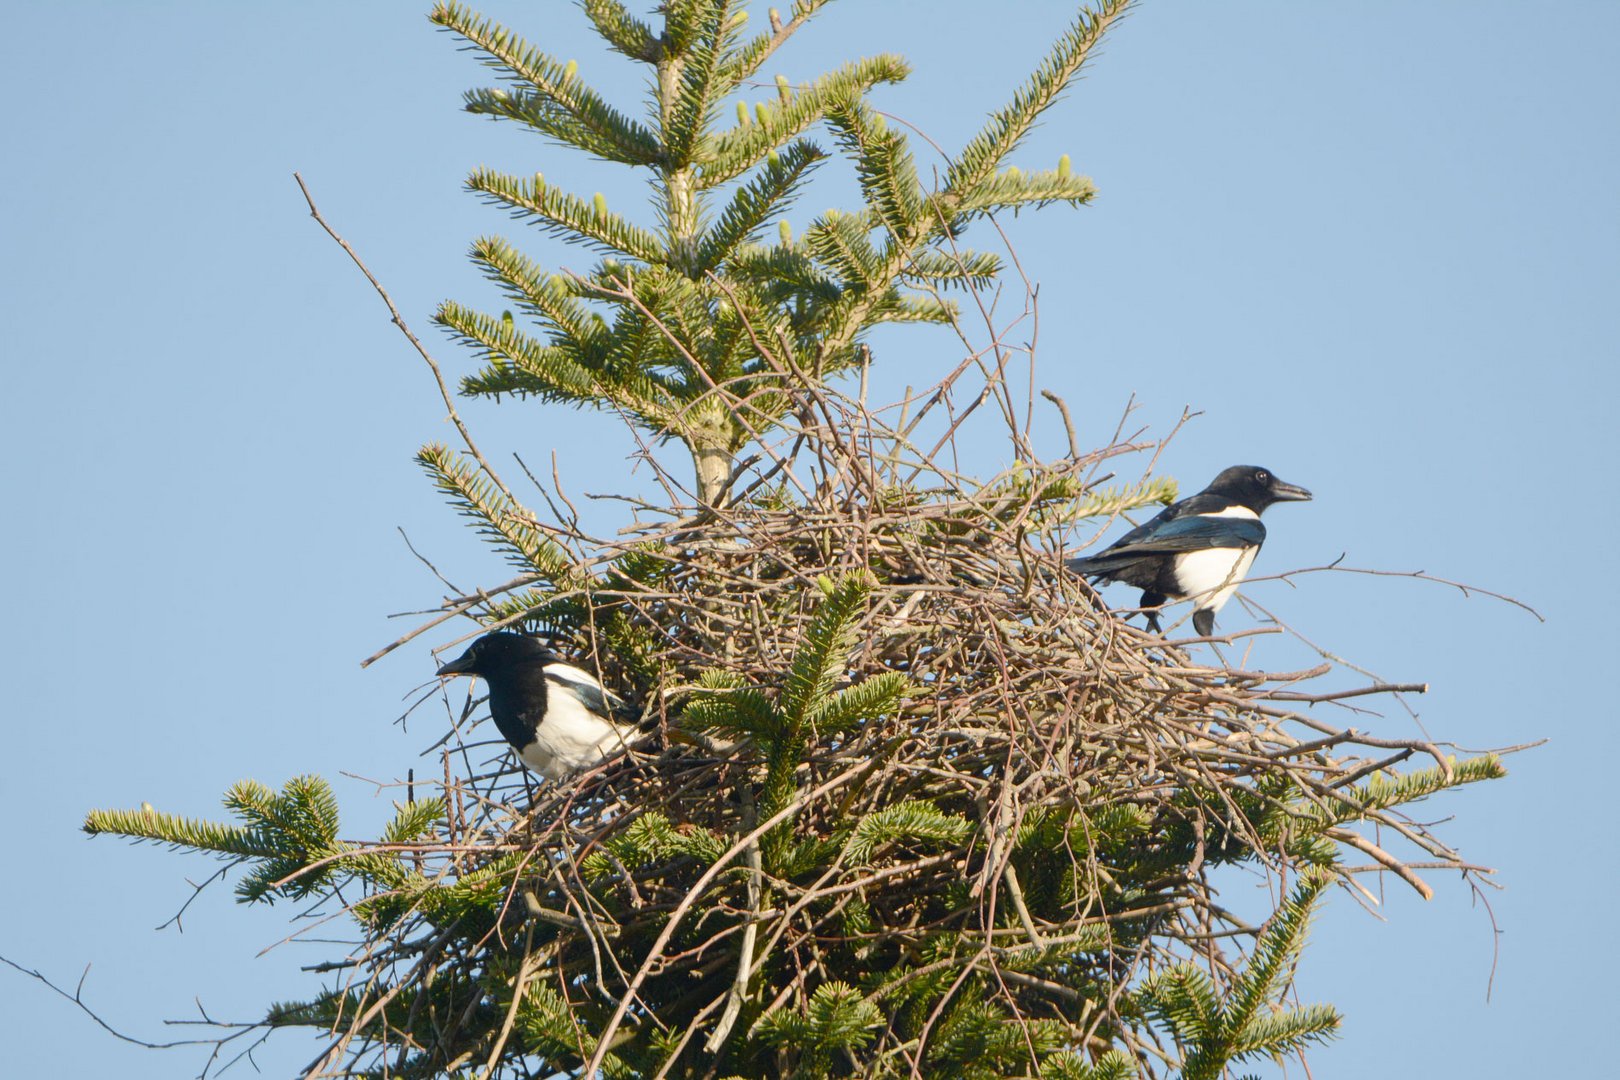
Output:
x,y
1167,535
1191,533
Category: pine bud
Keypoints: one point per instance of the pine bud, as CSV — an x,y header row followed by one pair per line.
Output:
x,y
742,113
763,112
785,231
599,203
783,90
570,69
774,158
1063,165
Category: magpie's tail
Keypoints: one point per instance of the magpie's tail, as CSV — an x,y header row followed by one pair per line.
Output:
x,y
1099,566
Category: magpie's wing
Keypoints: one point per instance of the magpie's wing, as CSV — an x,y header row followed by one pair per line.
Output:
x,y
1193,532
592,694
1190,533
1157,521
1188,507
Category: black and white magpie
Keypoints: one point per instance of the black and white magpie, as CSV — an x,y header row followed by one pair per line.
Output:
x,y
558,718
1199,549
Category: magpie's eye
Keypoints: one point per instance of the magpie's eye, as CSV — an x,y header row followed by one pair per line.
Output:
x,y
1263,476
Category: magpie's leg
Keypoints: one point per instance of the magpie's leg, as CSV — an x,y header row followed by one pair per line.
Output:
x,y
1204,622
1151,603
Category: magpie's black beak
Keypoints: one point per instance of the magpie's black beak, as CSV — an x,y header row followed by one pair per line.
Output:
x,y
1286,492
461,665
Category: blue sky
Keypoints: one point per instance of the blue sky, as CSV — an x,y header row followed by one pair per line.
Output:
x,y
1376,245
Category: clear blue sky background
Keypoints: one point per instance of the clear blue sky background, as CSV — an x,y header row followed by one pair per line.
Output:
x,y
1376,244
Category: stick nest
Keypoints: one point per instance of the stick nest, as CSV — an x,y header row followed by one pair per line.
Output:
x,y
1027,810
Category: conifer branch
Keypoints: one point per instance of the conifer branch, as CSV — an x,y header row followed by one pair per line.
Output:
x,y
623,31
961,269
1271,962
769,193
1112,1065
499,518
1247,1021
179,832
910,820
843,242
746,59
1381,792
867,700
1013,189
883,163
567,216
827,643
554,372
546,296
682,24
899,307
560,105
730,154
837,1018
701,83
786,271
735,713
607,135
985,153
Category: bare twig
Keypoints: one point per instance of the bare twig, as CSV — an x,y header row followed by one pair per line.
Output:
x,y
399,320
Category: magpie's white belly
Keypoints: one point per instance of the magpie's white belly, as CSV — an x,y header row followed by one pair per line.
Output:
x,y
572,738
1209,578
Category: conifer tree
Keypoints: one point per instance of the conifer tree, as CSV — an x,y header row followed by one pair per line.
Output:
x,y
922,807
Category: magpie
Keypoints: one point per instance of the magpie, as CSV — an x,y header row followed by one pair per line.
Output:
x,y
558,718
1199,549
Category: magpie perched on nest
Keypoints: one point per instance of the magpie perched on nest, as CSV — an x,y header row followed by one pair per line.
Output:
x,y
1198,549
558,718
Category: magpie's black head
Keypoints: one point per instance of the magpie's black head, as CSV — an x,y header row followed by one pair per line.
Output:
x,y
498,653
1255,487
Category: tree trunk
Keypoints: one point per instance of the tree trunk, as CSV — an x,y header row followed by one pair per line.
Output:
x,y
713,470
